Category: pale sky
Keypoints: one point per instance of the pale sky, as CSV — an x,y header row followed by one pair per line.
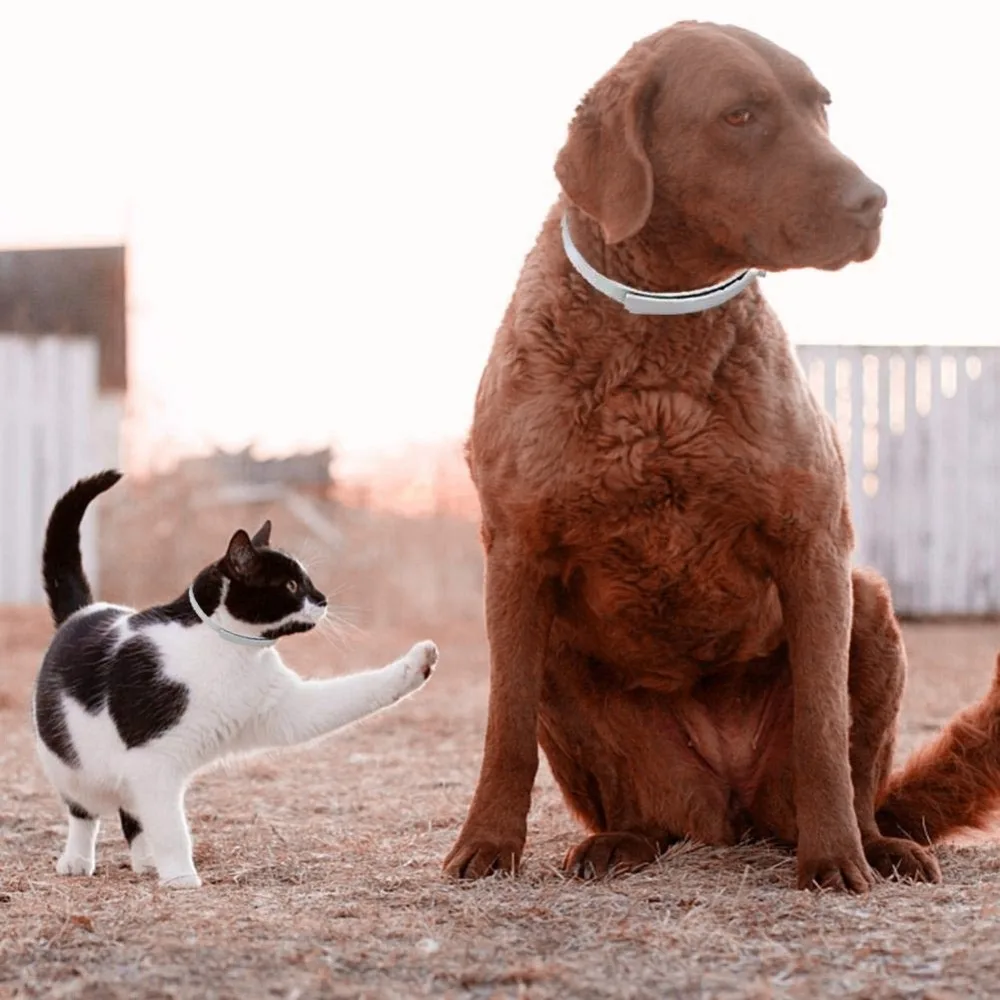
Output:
x,y
327,204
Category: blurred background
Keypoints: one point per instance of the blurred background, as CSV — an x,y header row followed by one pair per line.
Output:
x,y
256,255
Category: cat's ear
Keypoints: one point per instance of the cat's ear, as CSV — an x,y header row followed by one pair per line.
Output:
x,y
241,557
263,537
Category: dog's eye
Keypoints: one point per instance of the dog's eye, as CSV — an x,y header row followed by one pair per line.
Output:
x,y
741,116
292,587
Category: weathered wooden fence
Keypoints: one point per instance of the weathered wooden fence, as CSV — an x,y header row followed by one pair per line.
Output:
x,y
921,431
48,411
920,426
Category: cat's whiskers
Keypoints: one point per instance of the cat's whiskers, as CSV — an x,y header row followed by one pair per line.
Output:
x,y
336,628
332,638
332,595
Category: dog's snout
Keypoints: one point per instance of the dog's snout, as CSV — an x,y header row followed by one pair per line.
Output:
x,y
865,200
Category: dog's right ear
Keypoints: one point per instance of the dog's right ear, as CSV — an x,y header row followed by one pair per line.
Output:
x,y
603,167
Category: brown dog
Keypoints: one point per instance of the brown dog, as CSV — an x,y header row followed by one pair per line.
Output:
x,y
670,602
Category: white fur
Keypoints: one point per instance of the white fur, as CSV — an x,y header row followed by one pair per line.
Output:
x,y
240,699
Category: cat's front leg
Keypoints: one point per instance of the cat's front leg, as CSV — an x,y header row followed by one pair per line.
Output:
x,y
306,709
412,671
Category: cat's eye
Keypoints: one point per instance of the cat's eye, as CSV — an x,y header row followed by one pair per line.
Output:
x,y
292,586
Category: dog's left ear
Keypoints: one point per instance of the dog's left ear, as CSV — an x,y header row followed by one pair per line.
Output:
x,y
263,537
603,167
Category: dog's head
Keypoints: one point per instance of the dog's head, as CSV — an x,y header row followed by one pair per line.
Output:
x,y
717,132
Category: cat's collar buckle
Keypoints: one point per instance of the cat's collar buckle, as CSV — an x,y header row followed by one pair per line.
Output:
x,y
224,633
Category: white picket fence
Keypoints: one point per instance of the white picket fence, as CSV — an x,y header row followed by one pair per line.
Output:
x,y
920,426
921,431
49,416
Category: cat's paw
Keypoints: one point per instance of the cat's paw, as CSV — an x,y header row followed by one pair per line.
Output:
x,y
143,865
417,666
67,865
189,881
142,855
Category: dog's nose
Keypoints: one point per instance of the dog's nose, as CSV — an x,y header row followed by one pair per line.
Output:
x,y
865,200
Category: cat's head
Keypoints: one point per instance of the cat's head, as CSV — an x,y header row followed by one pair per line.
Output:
x,y
267,589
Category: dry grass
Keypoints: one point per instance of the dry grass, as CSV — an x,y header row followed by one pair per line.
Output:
x,y
322,866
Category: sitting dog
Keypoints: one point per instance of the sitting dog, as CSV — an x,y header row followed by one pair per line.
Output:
x,y
670,601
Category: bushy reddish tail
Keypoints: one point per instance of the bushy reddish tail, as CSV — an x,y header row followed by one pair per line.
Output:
x,y
953,783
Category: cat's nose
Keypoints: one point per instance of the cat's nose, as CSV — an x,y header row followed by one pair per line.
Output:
x,y
320,599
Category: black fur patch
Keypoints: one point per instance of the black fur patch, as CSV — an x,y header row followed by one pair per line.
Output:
x,y
291,628
83,663
131,827
77,810
143,703
180,611
74,664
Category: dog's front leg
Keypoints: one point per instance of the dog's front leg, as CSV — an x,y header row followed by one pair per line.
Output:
x,y
518,618
815,587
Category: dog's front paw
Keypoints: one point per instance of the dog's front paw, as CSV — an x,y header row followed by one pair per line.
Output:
x,y
416,667
895,857
473,857
848,872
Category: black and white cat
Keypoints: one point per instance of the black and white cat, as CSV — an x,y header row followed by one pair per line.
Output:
x,y
129,704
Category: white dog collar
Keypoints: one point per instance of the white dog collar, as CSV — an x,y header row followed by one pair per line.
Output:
x,y
656,303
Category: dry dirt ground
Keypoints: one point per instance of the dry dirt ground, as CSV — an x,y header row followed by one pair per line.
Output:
x,y
322,871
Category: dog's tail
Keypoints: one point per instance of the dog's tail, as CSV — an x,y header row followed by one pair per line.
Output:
x,y
62,566
952,784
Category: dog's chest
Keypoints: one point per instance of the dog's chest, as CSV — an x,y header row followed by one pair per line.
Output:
x,y
660,464
669,588
666,533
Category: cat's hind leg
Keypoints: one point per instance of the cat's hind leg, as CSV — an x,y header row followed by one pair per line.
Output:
x,y
79,855
138,843
158,811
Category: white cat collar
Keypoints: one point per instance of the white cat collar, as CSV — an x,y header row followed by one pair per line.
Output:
x,y
656,303
243,640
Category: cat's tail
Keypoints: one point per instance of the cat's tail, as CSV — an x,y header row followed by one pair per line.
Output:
x,y
62,566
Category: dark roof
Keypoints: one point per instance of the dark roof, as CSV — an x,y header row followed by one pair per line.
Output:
x,y
78,290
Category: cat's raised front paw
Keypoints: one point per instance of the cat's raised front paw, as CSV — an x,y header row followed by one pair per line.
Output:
x,y
67,865
417,666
